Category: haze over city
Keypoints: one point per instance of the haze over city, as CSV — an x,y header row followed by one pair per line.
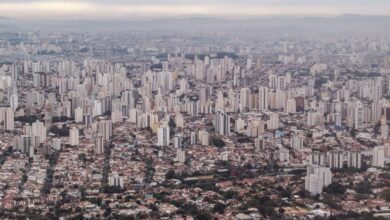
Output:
x,y
195,110
106,9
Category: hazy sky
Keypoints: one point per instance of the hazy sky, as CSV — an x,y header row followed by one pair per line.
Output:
x,y
170,8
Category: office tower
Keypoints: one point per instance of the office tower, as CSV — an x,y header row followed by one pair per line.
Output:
x,y
317,177
39,130
104,128
273,122
335,159
180,155
379,157
355,159
222,123
7,119
99,144
263,98
163,135
74,136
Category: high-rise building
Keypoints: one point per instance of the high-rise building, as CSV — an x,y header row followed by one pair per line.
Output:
x,y
26,144
359,115
312,118
379,157
99,144
115,180
337,119
222,123
273,122
39,130
284,156
7,119
263,98
194,138
317,158
245,95
163,134
180,155
317,177
204,137
260,143
14,103
272,81
335,159
177,140
249,62
296,142
104,128
56,143
74,136
384,128
355,159
78,115
291,106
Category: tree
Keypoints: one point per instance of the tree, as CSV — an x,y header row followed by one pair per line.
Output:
x,y
335,188
363,187
219,207
218,142
82,157
386,194
170,174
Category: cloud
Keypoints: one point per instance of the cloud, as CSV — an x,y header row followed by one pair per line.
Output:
x,y
154,8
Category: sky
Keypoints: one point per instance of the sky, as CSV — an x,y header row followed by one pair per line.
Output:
x,y
171,8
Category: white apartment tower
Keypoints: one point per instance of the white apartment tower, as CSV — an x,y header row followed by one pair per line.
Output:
x,y
317,177
222,123
74,136
163,135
